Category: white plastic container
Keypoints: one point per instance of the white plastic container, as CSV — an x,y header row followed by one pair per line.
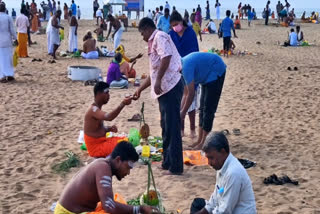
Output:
x,y
83,73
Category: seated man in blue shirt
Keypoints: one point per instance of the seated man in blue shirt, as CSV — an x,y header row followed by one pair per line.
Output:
x,y
226,26
209,71
233,191
164,21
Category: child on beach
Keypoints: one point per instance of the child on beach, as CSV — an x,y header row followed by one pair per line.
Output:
x,y
114,76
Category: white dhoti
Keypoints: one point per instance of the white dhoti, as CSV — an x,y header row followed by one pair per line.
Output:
x,y
6,62
90,55
218,12
50,47
73,39
54,36
117,38
194,104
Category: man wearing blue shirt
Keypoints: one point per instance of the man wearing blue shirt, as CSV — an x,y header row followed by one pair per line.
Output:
x,y
226,26
209,71
74,8
164,21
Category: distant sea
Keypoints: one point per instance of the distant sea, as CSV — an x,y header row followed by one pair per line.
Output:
x,y
87,9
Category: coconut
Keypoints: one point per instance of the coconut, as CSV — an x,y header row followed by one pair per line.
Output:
x,y
144,131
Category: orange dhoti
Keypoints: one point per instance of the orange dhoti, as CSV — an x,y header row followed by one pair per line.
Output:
x,y
35,24
23,44
100,147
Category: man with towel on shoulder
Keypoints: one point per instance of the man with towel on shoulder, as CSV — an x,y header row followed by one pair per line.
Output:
x,y
233,191
94,130
94,184
54,33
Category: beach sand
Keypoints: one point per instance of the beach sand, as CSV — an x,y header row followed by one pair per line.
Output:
x,y
276,110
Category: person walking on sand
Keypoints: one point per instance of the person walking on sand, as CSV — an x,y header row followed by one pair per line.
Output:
x,y
73,34
7,35
233,191
167,87
95,7
226,26
217,6
22,24
267,13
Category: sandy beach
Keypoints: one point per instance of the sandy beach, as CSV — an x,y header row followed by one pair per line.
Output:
x,y
277,111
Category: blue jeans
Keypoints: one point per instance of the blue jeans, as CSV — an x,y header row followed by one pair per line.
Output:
x,y
169,105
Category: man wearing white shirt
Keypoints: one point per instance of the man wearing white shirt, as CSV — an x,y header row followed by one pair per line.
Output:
x,y
7,35
22,24
150,15
99,16
233,192
167,5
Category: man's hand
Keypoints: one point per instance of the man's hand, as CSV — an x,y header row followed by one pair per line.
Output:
x,y
136,95
113,129
157,87
16,43
127,101
149,210
62,27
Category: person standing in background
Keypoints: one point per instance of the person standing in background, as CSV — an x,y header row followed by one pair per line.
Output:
x,y
73,8
7,35
267,13
73,34
79,13
208,11
65,11
59,6
226,26
167,6
217,6
13,14
22,24
54,7
95,7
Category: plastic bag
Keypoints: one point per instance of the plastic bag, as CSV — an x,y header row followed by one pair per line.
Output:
x,y
134,137
61,32
15,58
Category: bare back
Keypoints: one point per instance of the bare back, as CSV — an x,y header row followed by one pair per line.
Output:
x,y
85,189
93,126
116,24
89,45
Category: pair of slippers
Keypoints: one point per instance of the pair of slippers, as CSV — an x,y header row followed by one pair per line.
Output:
x,y
51,61
234,131
135,118
6,79
90,82
290,69
36,60
274,179
247,163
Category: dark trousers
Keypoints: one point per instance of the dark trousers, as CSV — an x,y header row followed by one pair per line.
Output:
x,y
197,205
267,18
95,9
169,104
210,96
226,43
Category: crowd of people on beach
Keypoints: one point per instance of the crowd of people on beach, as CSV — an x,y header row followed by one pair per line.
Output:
x,y
178,72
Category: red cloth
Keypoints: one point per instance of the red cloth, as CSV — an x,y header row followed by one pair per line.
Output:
x,y
100,147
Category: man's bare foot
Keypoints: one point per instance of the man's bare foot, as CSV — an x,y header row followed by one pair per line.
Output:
x,y
198,147
194,145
